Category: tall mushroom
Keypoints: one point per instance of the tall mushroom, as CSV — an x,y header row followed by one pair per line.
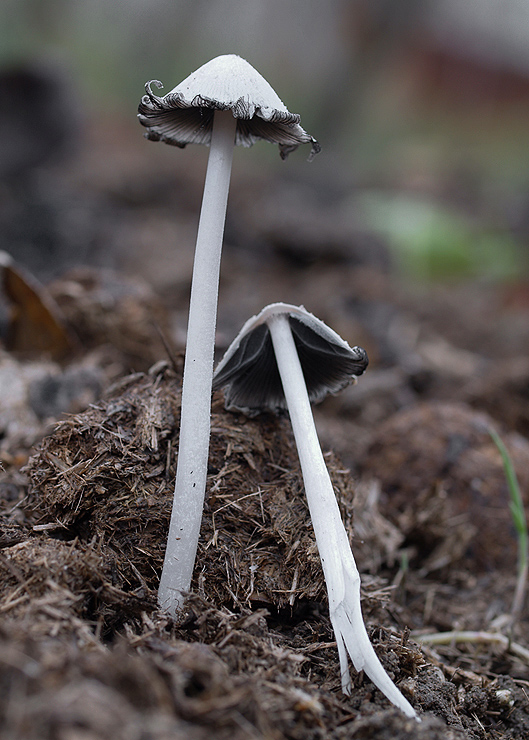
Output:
x,y
225,102
285,358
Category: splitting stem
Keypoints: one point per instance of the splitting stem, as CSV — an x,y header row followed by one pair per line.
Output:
x,y
339,567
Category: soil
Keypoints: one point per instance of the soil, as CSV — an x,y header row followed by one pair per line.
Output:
x,y
89,448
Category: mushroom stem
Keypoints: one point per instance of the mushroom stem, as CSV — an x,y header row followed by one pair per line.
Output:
x,y
190,486
339,567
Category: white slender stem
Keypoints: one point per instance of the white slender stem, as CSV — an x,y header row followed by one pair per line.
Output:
x,y
339,567
193,447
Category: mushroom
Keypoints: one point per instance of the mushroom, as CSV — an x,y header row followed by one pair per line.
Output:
x,y
285,358
225,102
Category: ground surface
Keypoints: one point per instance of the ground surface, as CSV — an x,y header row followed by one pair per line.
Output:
x,y
89,446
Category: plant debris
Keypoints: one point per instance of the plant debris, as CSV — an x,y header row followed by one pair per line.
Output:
x,y
108,474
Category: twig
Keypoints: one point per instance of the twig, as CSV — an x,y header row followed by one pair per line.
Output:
x,y
455,636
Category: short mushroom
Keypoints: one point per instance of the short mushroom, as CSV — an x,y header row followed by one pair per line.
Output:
x,y
285,358
225,102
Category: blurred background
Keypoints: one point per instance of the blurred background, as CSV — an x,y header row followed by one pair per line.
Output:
x,y
422,110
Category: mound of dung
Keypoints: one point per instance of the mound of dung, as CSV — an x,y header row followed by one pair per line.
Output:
x,y
105,478
445,486
105,308
63,590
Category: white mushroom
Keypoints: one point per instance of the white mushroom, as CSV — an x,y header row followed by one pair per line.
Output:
x,y
285,357
223,103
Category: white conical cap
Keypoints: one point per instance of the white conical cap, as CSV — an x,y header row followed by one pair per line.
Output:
x,y
185,114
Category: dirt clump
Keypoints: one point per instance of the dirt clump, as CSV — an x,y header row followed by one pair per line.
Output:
x,y
107,475
444,486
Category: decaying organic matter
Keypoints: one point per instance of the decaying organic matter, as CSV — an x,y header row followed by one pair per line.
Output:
x,y
106,474
453,500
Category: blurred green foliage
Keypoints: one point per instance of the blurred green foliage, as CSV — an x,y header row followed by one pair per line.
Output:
x,y
429,241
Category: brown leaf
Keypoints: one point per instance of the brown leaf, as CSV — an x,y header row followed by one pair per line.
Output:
x,y
36,326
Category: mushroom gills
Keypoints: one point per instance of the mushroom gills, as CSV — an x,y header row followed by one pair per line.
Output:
x,y
251,377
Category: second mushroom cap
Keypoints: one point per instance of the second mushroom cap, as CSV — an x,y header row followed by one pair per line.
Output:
x,y
249,373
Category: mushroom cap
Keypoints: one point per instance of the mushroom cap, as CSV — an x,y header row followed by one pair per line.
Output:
x,y
185,114
249,374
